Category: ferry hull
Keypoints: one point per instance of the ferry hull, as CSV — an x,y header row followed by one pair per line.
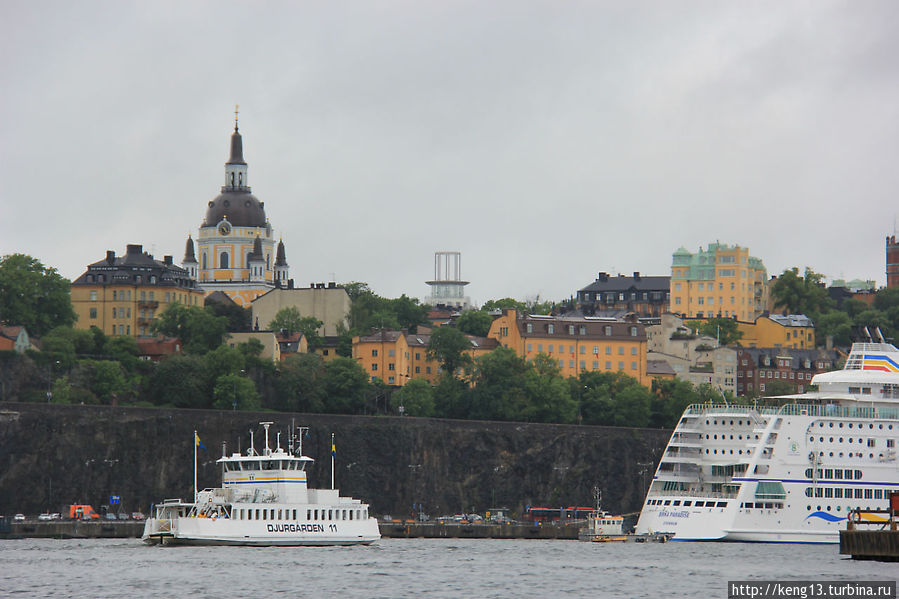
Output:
x,y
199,531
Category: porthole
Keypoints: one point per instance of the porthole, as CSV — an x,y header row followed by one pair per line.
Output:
x,y
227,203
830,425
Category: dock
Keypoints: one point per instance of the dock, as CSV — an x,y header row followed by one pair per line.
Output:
x,y
72,529
397,529
410,529
873,534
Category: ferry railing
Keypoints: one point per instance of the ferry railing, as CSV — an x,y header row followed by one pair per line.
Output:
x,y
794,409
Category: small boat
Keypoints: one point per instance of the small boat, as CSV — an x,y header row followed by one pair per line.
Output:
x,y
263,501
603,527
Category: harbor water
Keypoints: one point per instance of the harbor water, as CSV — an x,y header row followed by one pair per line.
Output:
x,y
433,568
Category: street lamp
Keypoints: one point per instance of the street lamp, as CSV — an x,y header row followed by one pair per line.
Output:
x,y
50,380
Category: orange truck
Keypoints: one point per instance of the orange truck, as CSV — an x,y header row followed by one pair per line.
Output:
x,y
83,512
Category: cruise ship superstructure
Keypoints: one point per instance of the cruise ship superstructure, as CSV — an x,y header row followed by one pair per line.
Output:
x,y
786,474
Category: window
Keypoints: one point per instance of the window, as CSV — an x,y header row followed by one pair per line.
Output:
x,y
390,366
530,328
93,312
571,329
390,352
582,330
374,366
550,329
608,331
223,260
93,295
374,353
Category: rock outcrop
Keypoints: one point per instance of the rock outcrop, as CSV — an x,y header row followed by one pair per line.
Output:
x,y
54,455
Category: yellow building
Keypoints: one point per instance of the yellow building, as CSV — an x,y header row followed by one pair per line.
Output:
x,y
577,343
235,250
794,331
720,281
396,357
124,295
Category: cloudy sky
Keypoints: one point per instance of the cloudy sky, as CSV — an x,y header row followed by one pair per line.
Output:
x,y
546,141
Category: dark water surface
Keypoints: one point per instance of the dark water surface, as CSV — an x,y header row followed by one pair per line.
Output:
x,y
413,567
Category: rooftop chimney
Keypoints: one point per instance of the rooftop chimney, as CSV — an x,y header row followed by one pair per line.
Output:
x,y
167,260
134,248
110,257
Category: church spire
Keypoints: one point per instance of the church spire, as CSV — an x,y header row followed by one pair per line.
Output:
x,y
236,167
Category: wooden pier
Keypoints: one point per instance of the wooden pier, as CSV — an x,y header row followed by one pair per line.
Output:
x,y
873,534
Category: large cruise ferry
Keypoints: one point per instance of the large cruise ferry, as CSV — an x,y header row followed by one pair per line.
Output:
x,y
263,501
787,474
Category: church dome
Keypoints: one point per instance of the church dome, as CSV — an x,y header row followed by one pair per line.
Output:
x,y
241,208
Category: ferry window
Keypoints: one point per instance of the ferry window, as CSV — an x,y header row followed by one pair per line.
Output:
x,y
688,503
847,493
264,514
838,493
858,475
279,514
351,514
819,492
828,492
808,491
838,474
858,493
330,514
870,442
700,503
847,474
315,515
677,502
869,493
309,514
808,473
878,494
828,473
272,514
721,504
294,514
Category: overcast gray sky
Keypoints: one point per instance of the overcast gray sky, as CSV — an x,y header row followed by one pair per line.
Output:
x,y
546,141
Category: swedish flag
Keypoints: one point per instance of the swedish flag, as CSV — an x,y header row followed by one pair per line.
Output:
x,y
333,450
197,441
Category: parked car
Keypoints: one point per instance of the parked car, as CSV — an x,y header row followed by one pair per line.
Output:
x,y
110,516
19,518
44,517
122,516
56,516
137,516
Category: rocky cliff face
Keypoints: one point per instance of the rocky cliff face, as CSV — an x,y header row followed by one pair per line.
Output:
x,y
54,455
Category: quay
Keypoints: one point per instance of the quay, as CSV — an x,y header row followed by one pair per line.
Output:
x,y
881,544
72,529
410,529
397,529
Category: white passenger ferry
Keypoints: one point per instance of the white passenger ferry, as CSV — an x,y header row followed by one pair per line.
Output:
x,y
789,474
263,501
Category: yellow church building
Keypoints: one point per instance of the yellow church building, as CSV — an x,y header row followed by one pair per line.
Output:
x,y
235,249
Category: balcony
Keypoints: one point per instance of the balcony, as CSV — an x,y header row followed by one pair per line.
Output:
x,y
148,304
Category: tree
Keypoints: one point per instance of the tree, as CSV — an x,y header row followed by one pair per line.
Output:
x,y
286,319
725,330
801,295
549,398
474,322
416,397
198,329
300,388
834,324
239,319
345,384
448,346
504,304
409,312
499,392
33,295
235,391
181,381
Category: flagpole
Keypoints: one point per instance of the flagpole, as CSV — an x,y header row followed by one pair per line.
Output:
x,y
195,466
332,460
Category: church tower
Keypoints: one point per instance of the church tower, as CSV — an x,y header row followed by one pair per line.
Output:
x,y
235,245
